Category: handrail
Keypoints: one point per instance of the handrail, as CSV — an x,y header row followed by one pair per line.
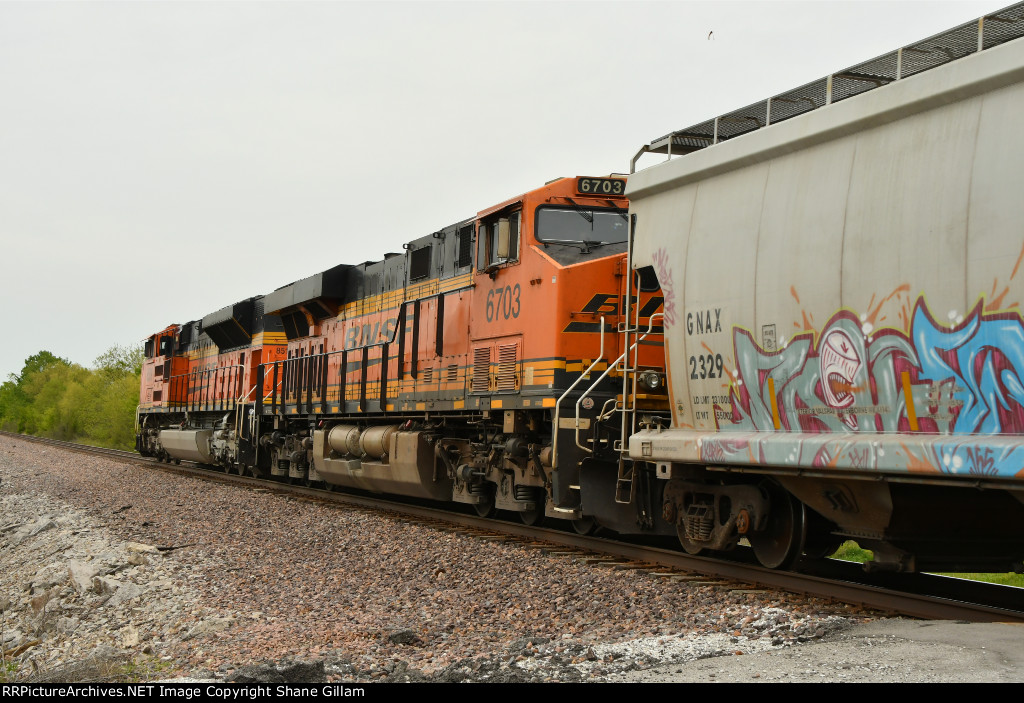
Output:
x,y
558,403
274,389
626,329
611,366
949,45
231,372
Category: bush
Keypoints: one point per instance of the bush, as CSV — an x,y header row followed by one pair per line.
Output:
x,y
53,397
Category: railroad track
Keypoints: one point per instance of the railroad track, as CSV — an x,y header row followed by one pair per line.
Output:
x,y
925,596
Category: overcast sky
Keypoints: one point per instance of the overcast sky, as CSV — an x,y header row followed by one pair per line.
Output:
x,y
160,160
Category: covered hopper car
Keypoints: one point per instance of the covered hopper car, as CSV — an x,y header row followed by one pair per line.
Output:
x,y
841,268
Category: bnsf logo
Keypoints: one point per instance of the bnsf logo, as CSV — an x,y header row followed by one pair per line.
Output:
x,y
609,304
369,334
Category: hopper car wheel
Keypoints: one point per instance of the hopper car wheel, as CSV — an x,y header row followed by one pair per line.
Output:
x,y
584,526
485,508
692,548
782,541
177,462
227,468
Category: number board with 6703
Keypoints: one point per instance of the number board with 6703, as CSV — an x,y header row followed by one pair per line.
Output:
x,y
601,186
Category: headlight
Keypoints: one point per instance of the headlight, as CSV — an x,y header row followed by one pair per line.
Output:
x,y
651,380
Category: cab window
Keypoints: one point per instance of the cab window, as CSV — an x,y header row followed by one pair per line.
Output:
x,y
499,240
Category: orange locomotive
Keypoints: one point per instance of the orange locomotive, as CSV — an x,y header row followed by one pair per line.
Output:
x,y
484,365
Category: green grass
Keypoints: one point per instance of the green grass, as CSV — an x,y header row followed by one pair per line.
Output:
x,y
90,670
851,551
8,671
1002,579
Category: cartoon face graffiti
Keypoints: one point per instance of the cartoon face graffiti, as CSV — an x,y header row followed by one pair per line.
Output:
x,y
839,366
965,383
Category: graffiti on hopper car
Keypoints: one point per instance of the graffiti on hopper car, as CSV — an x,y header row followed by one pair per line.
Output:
x,y
666,280
949,381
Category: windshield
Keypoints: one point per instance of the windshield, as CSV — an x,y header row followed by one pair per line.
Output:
x,y
585,225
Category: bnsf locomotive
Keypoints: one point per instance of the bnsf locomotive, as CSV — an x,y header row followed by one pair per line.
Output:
x,y
806,329
478,366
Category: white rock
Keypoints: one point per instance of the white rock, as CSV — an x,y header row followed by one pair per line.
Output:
x,y
125,593
81,575
139,547
129,637
103,585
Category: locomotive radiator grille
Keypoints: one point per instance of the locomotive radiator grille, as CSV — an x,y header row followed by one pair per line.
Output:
x,y
481,369
508,358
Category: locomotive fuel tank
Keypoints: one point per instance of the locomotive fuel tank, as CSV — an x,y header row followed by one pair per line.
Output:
x,y
188,445
380,459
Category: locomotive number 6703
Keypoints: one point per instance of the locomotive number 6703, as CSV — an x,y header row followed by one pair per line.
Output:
x,y
503,302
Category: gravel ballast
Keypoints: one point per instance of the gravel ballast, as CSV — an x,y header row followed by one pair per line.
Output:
x,y
208,580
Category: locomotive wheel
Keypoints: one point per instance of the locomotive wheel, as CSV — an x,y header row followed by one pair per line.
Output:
x,y
584,526
532,517
782,541
485,508
535,516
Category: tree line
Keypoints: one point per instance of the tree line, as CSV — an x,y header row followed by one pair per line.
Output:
x,y
53,397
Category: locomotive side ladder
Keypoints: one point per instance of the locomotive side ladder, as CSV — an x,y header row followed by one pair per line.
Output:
x,y
627,365
632,336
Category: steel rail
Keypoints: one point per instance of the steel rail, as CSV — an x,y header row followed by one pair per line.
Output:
x,y
844,589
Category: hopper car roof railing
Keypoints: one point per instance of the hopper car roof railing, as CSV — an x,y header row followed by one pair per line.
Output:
x,y
977,35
